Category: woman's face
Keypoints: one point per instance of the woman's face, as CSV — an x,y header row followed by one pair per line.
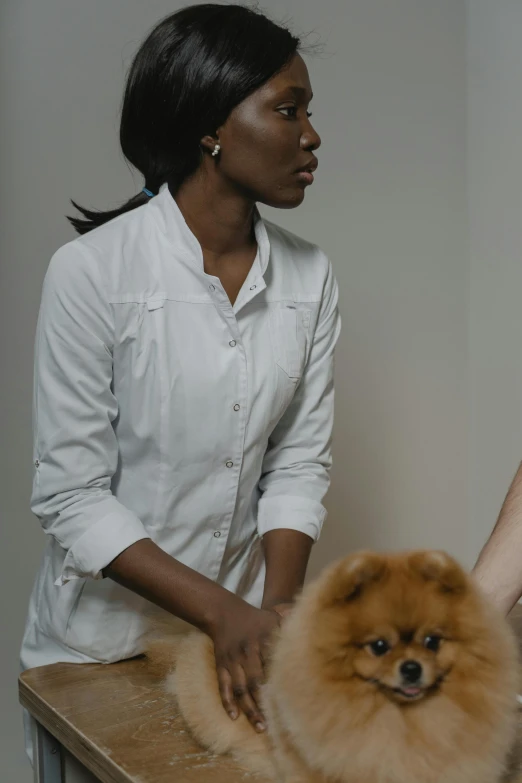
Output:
x,y
268,140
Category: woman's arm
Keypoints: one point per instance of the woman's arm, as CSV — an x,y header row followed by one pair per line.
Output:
x,y
240,632
75,446
286,554
147,570
296,466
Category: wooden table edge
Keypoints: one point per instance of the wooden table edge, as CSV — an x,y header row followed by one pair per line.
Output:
x,y
84,750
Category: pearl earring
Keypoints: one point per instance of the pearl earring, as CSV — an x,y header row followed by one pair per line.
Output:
x,y
216,150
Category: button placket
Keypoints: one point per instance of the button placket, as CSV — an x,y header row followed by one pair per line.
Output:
x,y
246,296
232,464
220,543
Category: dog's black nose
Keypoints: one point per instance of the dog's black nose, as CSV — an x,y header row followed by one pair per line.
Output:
x,y
411,671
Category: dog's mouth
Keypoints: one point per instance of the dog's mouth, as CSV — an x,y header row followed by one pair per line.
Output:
x,y
405,693
410,693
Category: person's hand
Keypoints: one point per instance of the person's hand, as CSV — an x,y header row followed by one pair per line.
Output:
x,y
282,609
241,639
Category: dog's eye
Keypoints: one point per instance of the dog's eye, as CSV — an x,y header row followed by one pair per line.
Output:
x,y
379,647
432,643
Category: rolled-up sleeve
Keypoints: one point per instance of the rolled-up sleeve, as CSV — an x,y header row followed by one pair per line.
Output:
x,y
296,466
75,446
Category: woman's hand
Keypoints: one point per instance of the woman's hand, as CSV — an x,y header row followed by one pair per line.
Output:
x,y
241,633
241,639
281,609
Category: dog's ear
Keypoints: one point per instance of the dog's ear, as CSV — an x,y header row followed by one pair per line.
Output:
x,y
357,572
439,567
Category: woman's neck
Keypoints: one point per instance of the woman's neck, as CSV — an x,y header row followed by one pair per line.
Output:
x,y
221,220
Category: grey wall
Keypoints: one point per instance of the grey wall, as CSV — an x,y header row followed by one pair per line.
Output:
x,y
389,207
495,208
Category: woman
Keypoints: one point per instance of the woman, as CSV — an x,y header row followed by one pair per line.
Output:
x,y
183,376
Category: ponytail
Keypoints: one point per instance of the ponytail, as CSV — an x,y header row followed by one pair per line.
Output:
x,y
92,218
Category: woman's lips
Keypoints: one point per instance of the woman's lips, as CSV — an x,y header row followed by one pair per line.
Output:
x,y
306,177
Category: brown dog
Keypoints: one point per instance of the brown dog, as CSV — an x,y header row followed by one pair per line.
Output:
x,y
391,669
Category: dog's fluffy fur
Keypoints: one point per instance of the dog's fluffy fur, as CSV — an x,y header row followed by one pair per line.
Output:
x,y
337,703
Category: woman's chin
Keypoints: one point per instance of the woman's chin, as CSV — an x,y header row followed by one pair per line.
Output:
x,y
290,198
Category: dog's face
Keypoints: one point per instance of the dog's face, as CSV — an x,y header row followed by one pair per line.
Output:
x,y
395,624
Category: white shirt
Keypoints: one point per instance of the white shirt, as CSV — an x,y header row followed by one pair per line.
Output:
x,y
163,411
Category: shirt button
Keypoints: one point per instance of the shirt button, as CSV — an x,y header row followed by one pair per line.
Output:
x,y
237,407
217,534
229,464
212,287
232,343
252,287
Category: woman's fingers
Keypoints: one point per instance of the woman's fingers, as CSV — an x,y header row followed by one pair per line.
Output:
x,y
240,647
245,690
226,692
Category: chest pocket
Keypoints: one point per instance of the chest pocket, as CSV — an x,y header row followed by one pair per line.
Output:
x,y
289,326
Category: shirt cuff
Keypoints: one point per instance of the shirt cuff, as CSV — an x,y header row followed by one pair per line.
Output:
x,y
100,544
290,512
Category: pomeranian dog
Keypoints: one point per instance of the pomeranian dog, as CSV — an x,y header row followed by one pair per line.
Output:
x,y
392,668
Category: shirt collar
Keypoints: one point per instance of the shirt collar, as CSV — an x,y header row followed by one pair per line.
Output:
x,y
175,227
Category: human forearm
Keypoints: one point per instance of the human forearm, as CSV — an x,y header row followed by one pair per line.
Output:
x,y
286,554
499,566
147,570
239,631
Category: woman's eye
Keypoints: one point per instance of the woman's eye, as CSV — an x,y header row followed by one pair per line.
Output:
x,y
432,643
379,647
292,111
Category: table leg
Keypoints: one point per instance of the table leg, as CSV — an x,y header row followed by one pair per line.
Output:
x,y
47,756
74,771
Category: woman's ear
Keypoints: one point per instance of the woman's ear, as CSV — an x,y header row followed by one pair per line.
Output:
x,y
209,143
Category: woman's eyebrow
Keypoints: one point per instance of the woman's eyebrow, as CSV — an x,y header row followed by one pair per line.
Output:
x,y
299,92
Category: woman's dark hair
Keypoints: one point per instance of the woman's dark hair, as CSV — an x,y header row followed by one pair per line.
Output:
x,y
188,75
